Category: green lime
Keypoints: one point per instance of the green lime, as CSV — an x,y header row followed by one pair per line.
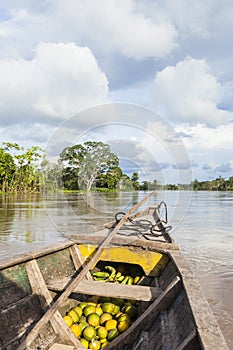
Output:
x,y
78,310
83,325
102,332
89,333
123,326
108,307
93,319
112,334
89,309
94,344
74,316
131,310
83,304
105,317
123,317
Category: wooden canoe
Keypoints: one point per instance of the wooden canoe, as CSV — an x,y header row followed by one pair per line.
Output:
x,y
173,313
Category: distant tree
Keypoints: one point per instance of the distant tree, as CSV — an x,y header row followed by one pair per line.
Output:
x,y
91,160
51,177
110,179
7,170
172,187
125,183
145,186
195,185
26,177
135,181
71,159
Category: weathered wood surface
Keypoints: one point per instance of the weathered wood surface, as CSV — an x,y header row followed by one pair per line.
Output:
x,y
78,260
134,292
79,277
187,341
40,289
124,241
61,347
16,318
34,254
208,330
144,322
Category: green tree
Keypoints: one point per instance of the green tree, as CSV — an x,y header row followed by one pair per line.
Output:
x,y
51,177
71,159
26,176
135,182
195,185
7,170
125,183
92,160
144,186
110,179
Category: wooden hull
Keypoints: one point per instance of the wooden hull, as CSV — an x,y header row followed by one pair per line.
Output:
x,y
174,313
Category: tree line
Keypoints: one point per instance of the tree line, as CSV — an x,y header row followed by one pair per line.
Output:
x,y
218,184
91,165
87,166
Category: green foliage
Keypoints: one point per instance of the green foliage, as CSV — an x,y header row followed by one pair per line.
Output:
x,y
19,168
135,181
7,170
151,186
219,184
85,165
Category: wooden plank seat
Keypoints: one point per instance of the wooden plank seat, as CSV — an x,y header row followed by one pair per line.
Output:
x,y
135,292
57,346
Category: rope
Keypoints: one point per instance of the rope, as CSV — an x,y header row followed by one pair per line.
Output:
x,y
141,227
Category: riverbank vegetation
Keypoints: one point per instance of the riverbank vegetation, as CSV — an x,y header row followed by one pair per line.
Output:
x,y
90,166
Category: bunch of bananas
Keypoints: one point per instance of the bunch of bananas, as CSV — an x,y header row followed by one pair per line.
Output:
x,y
114,276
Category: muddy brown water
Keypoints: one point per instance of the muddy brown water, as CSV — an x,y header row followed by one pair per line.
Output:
x,y
202,226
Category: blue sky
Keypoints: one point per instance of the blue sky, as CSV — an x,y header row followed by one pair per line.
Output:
x,y
152,78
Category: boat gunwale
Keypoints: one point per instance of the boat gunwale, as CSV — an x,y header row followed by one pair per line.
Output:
x,y
37,253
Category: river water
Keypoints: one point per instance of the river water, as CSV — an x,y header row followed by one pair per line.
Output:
x,y
202,226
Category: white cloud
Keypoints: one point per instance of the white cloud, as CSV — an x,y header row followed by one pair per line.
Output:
x,y
188,92
201,138
59,80
27,134
209,148
111,26
128,31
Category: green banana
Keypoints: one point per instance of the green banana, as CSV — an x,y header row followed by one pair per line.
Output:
x,y
130,280
111,270
125,280
121,278
100,279
100,274
118,275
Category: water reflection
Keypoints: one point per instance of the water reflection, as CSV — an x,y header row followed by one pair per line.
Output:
x,y
6,215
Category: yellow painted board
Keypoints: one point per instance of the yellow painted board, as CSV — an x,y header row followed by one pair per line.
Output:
x,y
151,262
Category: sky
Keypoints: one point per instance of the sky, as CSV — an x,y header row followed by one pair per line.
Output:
x,y
154,79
